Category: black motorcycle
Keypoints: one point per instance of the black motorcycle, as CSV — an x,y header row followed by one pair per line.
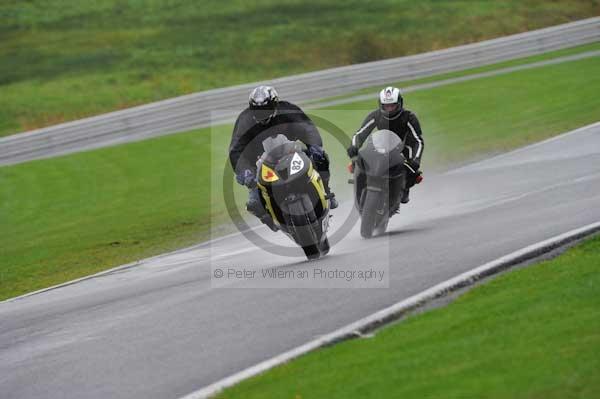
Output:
x,y
379,180
294,195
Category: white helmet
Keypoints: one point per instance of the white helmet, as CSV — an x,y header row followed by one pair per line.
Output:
x,y
263,102
390,101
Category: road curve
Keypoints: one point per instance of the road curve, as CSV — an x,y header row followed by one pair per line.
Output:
x,y
159,330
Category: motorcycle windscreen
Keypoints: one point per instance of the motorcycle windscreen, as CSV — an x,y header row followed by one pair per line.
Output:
x,y
277,148
382,151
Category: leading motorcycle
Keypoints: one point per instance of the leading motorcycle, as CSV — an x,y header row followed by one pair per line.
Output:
x,y
293,193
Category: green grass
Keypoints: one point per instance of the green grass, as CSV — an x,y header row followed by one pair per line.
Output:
x,y
70,216
531,333
64,59
75,215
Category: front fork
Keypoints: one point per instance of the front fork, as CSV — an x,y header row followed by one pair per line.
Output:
x,y
379,185
390,188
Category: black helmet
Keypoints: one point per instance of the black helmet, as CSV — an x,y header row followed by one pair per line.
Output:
x,y
390,102
263,103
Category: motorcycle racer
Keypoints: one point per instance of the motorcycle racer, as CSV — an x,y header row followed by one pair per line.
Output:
x,y
391,115
268,116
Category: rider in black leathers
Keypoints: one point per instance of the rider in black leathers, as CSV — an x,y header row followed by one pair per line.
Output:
x,y
392,116
267,116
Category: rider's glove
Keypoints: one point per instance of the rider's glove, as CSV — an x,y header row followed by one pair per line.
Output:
x,y
414,174
352,151
315,153
247,178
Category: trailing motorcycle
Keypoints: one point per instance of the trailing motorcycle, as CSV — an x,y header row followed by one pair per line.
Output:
x,y
294,195
379,178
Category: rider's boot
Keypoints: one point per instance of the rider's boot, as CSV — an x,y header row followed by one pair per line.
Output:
x,y
255,207
405,197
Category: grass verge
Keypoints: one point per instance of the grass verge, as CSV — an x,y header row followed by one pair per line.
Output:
x,y
65,59
70,216
531,333
465,72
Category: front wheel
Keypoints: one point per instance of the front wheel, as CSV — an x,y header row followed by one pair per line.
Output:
x,y
312,252
316,251
369,214
325,247
304,232
382,226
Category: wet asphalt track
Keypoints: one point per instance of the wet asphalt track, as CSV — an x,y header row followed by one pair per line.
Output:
x,y
159,330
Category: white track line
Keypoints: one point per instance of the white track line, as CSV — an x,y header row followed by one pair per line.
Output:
x,y
391,313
